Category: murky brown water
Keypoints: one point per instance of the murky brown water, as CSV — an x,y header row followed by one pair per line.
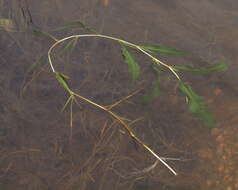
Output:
x,y
37,149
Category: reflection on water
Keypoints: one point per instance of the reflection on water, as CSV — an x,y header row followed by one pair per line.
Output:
x,y
34,135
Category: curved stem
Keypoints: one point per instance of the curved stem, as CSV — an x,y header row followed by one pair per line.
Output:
x,y
157,61
114,115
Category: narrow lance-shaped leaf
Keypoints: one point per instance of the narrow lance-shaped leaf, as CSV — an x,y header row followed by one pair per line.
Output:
x,y
133,67
39,63
44,34
62,79
214,68
7,24
162,50
74,25
69,46
155,91
197,105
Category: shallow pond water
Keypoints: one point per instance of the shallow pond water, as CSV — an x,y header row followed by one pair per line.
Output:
x,y
41,149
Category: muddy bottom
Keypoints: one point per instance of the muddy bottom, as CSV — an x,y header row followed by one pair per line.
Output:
x,y
49,142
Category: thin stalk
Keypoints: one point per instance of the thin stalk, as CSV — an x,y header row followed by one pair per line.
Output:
x,y
157,61
114,115
130,132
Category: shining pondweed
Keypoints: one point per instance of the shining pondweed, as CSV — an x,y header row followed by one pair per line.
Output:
x,y
195,102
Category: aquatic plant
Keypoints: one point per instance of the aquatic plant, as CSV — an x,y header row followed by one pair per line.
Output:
x,y
195,102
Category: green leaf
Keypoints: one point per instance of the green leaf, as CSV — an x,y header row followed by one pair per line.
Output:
x,y
39,63
62,79
7,24
69,46
133,67
197,105
74,25
214,68
155,91
162,50
44,34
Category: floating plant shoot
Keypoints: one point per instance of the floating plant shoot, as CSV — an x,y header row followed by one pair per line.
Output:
x,y
196,103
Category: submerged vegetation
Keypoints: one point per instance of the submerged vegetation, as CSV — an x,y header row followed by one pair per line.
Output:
x,y
196,103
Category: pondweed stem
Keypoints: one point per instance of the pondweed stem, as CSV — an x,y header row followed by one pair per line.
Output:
x,y
108,110
130,132
156,61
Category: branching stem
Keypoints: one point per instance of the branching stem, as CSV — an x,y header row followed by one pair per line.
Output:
x,y
104,108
